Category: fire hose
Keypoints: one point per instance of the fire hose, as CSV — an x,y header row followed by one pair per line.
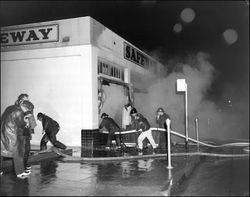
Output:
x,y
68,158
183,136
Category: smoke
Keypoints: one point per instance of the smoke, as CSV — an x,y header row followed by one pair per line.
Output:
x,y
115,99
215,121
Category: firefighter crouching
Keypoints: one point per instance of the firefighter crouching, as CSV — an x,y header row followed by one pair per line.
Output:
x,y
112,127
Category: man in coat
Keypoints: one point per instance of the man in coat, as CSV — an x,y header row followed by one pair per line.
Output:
x,y
112,127
50,128
31,124
142,126
13,126
161,118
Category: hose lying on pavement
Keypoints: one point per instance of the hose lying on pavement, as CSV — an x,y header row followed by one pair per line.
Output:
x,y
137,157
158,156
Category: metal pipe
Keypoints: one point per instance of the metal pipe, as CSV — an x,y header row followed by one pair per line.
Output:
x,y
197,133
186,118
168,121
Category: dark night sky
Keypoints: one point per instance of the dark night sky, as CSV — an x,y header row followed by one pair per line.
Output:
x,y
149,26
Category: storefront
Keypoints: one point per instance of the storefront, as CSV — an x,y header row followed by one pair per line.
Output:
x,y
73,70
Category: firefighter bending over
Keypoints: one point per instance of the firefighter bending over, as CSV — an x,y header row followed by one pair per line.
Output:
x,y
112,127
50,128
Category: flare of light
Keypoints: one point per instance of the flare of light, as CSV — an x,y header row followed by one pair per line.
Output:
x,y
187,15
230,36
177,28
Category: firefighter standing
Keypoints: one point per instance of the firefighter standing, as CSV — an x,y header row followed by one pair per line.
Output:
x,y
161,118
23,100
126,118
13,127
31,124
31,118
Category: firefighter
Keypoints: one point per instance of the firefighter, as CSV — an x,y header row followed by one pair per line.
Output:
x,y
13,126
50,128
21,98
112,127
31,124
161,118
142,126
126,118
32,121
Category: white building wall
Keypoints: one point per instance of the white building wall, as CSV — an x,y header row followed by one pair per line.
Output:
x,y
111,47
61,76
71,32
59,82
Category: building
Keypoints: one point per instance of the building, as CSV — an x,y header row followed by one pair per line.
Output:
x,y
73,70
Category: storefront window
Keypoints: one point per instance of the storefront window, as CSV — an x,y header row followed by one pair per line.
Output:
x,y
110,70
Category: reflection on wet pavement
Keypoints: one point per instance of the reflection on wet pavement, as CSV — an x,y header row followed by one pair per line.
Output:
x,y
120,178
142,177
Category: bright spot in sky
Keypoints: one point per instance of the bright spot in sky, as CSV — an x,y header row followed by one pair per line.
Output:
x,y
187,15
177,27
230,36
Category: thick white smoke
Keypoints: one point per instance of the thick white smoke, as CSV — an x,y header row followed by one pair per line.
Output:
x,y
214,123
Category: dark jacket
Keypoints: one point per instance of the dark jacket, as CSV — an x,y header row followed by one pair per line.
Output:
x,y
109,124
140,122
12,130
161,121
49,125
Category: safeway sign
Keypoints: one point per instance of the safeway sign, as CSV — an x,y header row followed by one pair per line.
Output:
x,y
31,35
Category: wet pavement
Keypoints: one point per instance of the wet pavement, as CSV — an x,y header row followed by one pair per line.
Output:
x,y
148,177
218,177
75,179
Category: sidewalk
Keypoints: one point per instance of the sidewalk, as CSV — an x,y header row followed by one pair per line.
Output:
x,y
148,177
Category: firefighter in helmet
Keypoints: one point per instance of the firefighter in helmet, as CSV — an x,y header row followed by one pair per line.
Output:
x,y
142,126
112,127
161,118
50,128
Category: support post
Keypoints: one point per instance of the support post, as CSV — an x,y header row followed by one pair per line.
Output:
x,y
186,119
168,121
197,133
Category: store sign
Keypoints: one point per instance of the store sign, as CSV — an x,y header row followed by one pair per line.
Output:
x,y
32,35
110,70
134,55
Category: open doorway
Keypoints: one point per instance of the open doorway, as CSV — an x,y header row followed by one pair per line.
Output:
x,y
112,96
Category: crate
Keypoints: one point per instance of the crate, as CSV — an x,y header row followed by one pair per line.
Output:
x,y
93,138
90,140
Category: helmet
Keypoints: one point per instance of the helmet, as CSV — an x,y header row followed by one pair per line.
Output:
x,y
133,111
160,109
39,115
104,115
28,105
22,96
